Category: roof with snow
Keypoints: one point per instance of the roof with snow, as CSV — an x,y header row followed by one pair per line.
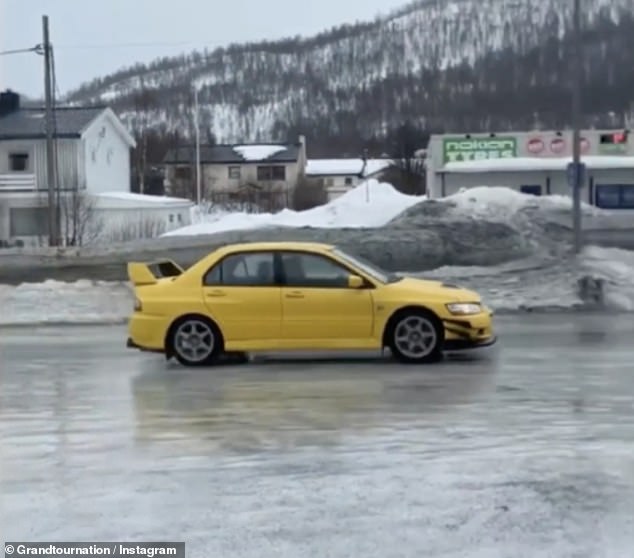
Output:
x,y
537,164
30,123
345,167
227,154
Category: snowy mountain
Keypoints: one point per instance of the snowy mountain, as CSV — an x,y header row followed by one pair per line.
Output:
x,y
453,64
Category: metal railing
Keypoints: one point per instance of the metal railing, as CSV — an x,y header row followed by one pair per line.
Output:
x,y
17,182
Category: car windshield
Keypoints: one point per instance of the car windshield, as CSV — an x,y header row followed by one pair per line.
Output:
x,y
367,267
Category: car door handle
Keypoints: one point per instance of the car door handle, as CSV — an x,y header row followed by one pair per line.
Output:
x,y
215,294
295,294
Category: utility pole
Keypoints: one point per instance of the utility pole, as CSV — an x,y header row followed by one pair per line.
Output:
x,y
576,117
198,193
53,239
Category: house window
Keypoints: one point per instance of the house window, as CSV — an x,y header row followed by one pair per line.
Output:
x,y
615,196
183,173
171,218
348,181
531,189
28,221
234,173
277,172
18,162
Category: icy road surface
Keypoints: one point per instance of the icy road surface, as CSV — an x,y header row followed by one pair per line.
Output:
x,y
521,451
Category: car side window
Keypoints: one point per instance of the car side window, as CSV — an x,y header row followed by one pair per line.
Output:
x,y
313,270
254,269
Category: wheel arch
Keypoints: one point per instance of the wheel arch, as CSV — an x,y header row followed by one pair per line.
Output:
x,y
167,342
414,308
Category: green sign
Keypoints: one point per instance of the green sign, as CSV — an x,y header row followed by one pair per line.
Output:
x,y
612,148
475,149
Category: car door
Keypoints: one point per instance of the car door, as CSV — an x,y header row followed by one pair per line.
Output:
x,y
241,293
317,302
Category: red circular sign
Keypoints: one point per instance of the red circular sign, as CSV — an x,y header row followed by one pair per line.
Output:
x,y
535,145
585,145
558,145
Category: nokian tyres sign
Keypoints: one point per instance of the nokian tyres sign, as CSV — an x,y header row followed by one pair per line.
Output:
x,y
474,149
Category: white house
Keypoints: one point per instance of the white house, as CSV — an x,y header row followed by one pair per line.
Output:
x,y
338,176
92,158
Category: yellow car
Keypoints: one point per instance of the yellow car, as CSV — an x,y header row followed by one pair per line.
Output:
x,y
289,296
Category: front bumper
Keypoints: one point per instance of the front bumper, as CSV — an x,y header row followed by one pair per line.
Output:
x,y
470,332
468,344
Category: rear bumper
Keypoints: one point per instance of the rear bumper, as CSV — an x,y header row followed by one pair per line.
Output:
x,y
468,344
130,344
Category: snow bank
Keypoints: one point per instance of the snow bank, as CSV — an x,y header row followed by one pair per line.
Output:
x,y
529,285
499,203
615,268
371,204
57,302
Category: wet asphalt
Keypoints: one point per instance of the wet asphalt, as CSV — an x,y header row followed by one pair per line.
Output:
x,y
522,450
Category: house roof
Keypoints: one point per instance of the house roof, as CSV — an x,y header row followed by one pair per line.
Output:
x,y
514,164
30,123
239,154
345,167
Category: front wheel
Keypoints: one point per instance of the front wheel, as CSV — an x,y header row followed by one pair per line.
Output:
x,y
195,341
416,337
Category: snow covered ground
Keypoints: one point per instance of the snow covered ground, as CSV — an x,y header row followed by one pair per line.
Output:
x,y
534,284
371,204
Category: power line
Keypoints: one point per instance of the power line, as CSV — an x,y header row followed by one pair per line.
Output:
x,y
37,48
135,44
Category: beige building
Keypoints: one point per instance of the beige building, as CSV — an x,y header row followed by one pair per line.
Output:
x,y
261,174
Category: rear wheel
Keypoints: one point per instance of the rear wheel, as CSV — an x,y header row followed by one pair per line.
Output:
x,y
416,336
195,341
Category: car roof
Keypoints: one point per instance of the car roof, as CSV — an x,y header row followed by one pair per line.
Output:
x,y
257,246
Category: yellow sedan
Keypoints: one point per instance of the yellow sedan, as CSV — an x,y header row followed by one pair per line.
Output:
x,y
297,296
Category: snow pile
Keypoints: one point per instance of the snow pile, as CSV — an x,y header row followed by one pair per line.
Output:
x,y
258,152
371,204
503,204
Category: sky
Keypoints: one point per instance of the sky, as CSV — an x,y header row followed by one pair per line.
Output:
x,y
92,38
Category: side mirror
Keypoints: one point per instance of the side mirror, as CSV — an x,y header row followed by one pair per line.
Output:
x,y
355,282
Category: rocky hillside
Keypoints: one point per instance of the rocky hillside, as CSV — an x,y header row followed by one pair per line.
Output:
x,y
435,64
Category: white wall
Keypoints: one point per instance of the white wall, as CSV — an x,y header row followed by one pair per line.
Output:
x,y
102,223
120,225
107,157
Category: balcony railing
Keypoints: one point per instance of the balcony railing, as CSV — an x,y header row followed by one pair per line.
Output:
x,y
17,182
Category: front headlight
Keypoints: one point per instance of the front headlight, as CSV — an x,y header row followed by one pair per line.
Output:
x,y
464,308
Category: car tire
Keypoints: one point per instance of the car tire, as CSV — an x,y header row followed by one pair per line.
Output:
x,y
416,337
195,341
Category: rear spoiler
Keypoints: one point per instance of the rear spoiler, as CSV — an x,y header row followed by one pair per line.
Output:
x,y
148,273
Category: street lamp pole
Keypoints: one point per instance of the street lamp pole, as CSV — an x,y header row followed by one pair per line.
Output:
x,y
53,237
576,118
197,131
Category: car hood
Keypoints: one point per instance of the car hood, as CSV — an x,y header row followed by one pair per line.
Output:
x,y
436,289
